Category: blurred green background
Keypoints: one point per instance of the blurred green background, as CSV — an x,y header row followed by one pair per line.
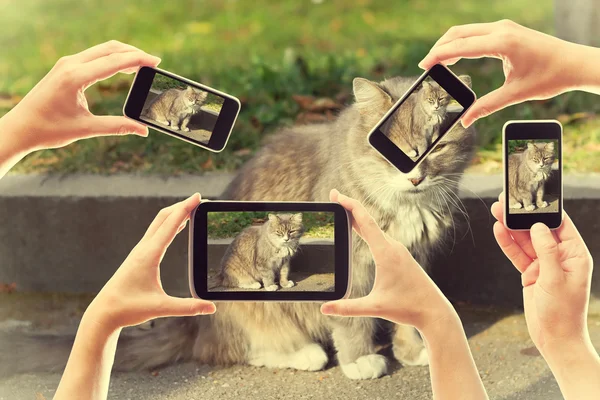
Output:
x,y
230,224
267,53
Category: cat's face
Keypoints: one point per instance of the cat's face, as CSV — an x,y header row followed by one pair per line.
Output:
x,y
539,155
285,229
432,99
194,97
431,179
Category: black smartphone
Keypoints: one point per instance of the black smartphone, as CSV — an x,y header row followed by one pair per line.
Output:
x,y
182,108
446,98
533,188
269,251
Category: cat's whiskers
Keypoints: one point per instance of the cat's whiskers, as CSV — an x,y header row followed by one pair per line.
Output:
x,y
453,197
441,192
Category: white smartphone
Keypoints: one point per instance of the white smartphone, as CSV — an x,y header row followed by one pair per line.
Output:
x,y
533,183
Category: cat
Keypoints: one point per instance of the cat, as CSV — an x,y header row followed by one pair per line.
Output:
x,y
430,111
415,125
175,107
527,175
259,254
303,163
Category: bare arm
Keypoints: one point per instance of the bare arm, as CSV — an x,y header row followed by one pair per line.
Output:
x,y
132,296
536,65
55,112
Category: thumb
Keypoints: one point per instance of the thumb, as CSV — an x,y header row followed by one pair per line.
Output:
x,y
107,125
180,307
348,308
487,105
546,248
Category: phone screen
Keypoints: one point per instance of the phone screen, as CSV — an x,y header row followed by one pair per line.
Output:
x,y
533,181
178,106
426,113
419,120
271,251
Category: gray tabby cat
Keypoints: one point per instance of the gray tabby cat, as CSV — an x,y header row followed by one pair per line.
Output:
x,y
175,107
303,163
527,174
259,254
415,125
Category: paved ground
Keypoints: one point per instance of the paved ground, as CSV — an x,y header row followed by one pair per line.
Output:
x,y
510,367
552,207
303,283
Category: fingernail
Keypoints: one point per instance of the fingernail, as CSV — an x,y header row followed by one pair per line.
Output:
x,y
157,59
210,309
327,309
539,228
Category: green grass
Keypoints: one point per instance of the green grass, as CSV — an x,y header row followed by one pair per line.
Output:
x,y
263,52
227,225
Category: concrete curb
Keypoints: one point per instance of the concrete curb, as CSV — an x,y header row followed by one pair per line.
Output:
x,y
70,233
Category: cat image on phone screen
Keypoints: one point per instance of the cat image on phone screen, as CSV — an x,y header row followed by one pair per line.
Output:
x,y
175,107
260,254
528,172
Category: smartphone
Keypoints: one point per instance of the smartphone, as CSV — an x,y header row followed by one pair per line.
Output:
x,y
182,108
533,188
447,98
269,251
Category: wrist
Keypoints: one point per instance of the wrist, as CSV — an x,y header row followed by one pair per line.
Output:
x,y
12,136
439,320
582,71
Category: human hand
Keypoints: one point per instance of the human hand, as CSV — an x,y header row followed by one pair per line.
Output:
x,y
135,294
402,293
55,112
556,271
536,66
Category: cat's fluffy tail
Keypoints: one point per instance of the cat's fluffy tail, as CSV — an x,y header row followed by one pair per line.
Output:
x,y
215,281
22,353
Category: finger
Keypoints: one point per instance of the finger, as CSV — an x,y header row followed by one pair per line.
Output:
x,y
333,196
546,248
360,307
367,227
182,226
167,231
471,47
522,238
109,125
179,307
498,99
103,49
159,219
531,274
464,31
501,198
568,230
109,65
511,248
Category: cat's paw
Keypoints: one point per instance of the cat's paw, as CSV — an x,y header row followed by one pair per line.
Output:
x,y
542,204
253,285
289,284
516,205
175,127
530,207
271,288
186,129
414,358
310,358
371,366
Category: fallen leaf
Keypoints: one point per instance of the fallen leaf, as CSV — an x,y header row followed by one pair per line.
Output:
x,y
39,396
242,152
208,164
303,101
8,287
530,351
154,373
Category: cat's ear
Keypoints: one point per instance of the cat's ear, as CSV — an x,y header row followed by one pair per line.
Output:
x,y
369,95
530,146
190,89
550,146
273,218
466,80
297,217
